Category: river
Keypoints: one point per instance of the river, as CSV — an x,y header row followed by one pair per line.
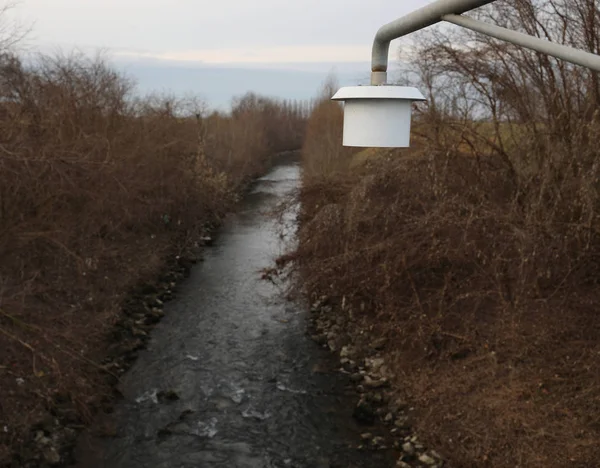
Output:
x,y
246,387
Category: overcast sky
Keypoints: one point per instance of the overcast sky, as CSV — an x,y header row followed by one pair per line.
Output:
x,y
216,31
206,47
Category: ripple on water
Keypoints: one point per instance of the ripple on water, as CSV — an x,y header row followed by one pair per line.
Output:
x,y
251,413
238,396
207,429
150,395
281,387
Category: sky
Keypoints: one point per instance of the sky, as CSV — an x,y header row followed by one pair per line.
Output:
x,y
213,47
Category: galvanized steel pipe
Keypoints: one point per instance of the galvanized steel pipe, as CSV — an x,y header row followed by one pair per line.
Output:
x,y
450,11
569,54
419,19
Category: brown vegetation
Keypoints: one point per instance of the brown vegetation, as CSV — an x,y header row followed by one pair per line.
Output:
x,y
98,189
476,253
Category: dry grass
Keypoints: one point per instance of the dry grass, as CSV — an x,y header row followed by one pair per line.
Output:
x,y
98,189
477,252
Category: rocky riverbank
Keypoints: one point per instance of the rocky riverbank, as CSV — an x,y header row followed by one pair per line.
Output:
x,y
53,437
387,417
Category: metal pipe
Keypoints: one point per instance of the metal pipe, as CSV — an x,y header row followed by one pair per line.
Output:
x,y
419,19
569,54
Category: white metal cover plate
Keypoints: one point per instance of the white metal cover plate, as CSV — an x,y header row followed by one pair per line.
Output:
x,y
379,92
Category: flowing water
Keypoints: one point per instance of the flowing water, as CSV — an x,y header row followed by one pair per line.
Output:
x,y
254,391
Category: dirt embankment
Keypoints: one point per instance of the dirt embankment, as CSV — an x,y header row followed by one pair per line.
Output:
x,y
497,376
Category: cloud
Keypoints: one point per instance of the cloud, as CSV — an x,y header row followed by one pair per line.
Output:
x,y
297,54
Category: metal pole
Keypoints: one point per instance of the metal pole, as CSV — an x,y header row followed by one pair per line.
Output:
x,y
419,19
569,54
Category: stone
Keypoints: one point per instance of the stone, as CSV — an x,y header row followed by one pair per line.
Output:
x,y
388,418
403,423
41,439
346,352
51,456
402,464
373,384
151,319
348,366
138,332
366,436
132,346
398,405
320,339
427,460
323,324
374,364
375,398
408,448
364,413
379,343
357,377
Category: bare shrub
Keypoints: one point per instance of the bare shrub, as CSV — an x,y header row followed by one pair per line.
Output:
x,y
323,151
98,188
476,253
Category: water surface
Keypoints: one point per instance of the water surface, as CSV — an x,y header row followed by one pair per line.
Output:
x,y
254,391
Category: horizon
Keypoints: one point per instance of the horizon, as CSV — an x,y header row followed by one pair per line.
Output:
x,y
194,54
